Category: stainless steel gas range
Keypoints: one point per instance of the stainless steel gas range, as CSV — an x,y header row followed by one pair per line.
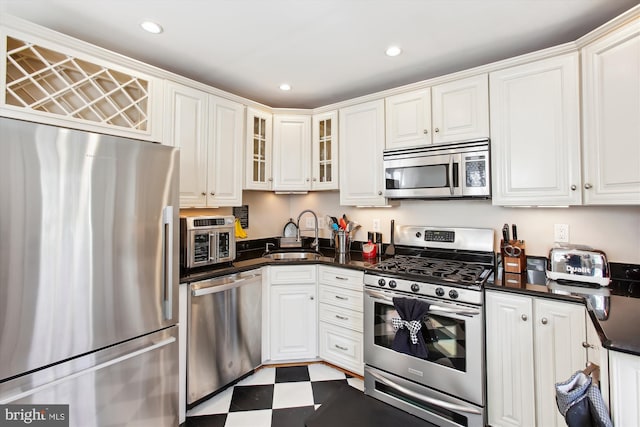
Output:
x,y
424,324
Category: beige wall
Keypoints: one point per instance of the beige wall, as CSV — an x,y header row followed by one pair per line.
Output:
x,y
616,230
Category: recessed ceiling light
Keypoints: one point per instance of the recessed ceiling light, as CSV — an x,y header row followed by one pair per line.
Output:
x,y
151,27
393,51
285,87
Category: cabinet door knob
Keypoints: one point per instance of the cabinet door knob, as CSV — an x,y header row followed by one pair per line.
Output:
x,y
587,345
544,321
587,186
212,193
524,317
203,193
311,298
379,193
573,188
307,179
425,131
437,130
270,179
314,179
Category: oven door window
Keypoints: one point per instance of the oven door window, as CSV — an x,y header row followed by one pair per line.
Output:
x,y
444,336
201,244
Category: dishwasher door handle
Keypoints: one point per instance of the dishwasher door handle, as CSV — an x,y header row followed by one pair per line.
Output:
x,y
221,288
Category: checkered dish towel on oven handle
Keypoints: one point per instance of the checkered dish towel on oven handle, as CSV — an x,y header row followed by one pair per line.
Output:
x,y
408,338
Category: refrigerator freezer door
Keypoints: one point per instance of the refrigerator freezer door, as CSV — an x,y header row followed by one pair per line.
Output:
x,y
134,383
83,231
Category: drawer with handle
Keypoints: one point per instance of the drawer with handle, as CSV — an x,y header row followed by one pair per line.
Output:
x,y
341,297
341,347
341,317
342,277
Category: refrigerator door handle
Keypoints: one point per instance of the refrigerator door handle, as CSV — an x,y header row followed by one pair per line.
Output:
x,y
95,368
167,262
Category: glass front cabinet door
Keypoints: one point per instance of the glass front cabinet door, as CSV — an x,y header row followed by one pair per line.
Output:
x,y
259,150
325,151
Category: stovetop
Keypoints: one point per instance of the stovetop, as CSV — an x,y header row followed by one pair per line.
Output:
x,y
445,263
419,267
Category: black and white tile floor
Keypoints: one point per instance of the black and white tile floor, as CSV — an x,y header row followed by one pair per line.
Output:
x,y
272,397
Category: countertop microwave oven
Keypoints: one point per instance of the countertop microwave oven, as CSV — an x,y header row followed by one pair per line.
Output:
x,y
447,171
207,240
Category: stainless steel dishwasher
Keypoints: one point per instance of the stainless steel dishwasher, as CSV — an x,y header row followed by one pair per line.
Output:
x,y
224,334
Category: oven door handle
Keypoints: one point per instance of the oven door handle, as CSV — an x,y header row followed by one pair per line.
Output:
x,y
426,399
432,307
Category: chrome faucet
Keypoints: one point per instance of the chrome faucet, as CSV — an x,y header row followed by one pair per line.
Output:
x,y
315,244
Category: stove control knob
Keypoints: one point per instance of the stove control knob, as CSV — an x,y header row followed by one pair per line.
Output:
x,y
453,294
440,292
392,284
415,287
381,282
418,234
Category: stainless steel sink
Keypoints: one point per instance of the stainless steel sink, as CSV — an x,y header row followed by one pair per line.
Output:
x,y
292,256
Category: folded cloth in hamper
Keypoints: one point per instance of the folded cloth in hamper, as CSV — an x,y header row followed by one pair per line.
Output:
x,y
408,338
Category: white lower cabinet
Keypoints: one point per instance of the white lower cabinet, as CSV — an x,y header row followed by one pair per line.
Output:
x,y
292,313
340,327
532,343
625,388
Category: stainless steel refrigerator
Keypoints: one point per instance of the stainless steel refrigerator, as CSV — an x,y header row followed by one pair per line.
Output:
x,y
89,275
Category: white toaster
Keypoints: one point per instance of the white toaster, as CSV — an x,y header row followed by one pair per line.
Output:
x,y
578,264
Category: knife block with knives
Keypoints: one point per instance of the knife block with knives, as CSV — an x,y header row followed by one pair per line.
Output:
x,y
514,258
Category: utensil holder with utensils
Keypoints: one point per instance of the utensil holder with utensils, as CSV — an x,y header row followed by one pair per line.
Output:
x,y
513,254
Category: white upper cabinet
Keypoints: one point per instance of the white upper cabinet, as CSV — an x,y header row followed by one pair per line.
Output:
x,y
611,105
186,129
225,132
361,146
408,119
291,153
535,133
259,145
324,156
208,131
461,110
456,111
48,82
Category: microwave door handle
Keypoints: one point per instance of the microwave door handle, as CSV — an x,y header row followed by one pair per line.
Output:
x,y
426,399
213,245
451,174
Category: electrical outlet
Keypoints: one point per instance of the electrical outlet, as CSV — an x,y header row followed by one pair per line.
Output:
x,y
376,224
321,222
309,223
561,233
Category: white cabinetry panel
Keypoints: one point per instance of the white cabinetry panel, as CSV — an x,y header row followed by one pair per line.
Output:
x,y
361,145
535,133
611,100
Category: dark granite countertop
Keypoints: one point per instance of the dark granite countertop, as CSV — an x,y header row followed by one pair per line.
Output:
x,y
250,259
614,310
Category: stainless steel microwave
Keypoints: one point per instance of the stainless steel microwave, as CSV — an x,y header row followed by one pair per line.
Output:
x,y
443,171
207,240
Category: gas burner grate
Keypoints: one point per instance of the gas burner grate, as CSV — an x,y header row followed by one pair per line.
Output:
x,y
454,271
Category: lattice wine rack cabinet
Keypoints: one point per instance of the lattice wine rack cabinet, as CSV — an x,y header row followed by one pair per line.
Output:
x,y
44,80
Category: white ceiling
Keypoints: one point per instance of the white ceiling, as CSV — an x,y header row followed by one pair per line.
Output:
x,y
327,50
